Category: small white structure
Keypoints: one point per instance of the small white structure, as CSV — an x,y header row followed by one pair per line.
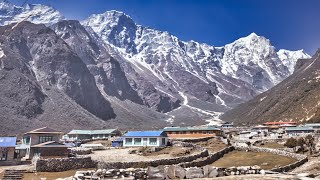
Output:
x,y
246,134
145,138
93,146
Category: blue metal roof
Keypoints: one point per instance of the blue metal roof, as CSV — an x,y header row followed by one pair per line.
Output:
x,y
145,134
8,141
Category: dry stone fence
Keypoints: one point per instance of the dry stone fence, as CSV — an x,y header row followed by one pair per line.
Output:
x,y
301,159
192,166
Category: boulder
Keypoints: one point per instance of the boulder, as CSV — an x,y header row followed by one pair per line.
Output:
x,y
170,172
213,173
156,172
206,170
180,172
194,173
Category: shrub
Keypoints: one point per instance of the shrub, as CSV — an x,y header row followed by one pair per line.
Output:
x,y
291,143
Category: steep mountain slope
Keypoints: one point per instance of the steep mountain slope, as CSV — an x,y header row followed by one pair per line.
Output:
x,y
114,73
223,76
109,73
294,99
43,82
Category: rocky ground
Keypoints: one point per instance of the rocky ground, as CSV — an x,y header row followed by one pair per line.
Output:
x,y
122,155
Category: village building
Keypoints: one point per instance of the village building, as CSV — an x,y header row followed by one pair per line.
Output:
x,y
7,150
260,129
292,131
192,132
280,124
76,135
245,135
145,138
315,126
227,125
42,142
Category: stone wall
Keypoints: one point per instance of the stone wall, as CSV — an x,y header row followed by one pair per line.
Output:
x,y
198,139
301,159
64,164
207,160
167,172
144,164
80,150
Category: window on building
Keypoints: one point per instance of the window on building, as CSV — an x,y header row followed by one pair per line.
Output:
x,y
26,140
43,139
153,141
128,140
163,141
137,141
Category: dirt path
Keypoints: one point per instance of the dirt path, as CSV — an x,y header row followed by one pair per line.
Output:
x,y
312,166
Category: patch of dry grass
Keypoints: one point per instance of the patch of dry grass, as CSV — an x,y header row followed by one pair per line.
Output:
x,y
172,151
213,145
262,159
272,145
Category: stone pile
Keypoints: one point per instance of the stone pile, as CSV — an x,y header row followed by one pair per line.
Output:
x,y
80,151
167,172
130,173
64,164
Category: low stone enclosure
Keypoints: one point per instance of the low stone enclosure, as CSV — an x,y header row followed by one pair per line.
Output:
x,y
301,159
168,172
199,159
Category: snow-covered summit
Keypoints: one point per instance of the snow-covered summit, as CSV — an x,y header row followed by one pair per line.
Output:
x,y
245,67
36,13
289,58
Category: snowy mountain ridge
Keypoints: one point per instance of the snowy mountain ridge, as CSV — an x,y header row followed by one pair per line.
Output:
x,y
166,74
36,13
248,61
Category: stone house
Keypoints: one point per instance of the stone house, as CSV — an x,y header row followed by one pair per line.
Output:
x,y
42,142
145,139
192,132
76,135
293,131
7,150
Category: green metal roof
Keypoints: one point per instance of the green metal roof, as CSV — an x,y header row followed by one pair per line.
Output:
x,y
91,132
300,128
199,128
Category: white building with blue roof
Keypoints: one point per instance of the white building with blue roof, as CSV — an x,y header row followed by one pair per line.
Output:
x,y
145,139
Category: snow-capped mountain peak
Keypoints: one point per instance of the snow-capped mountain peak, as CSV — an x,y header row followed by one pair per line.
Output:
x,y
114,26
36,13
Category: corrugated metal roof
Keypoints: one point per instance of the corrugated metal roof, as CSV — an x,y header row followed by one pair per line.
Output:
x,y
90,132
44,130
278,123
51,144
301,128
145,134
312,124
8,141
199,128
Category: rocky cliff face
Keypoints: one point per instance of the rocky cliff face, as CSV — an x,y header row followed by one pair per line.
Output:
x,y
109,73
294,99
222,76
109,70
44,82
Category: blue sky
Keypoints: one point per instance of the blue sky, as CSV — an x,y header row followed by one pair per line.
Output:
x,y
289,24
